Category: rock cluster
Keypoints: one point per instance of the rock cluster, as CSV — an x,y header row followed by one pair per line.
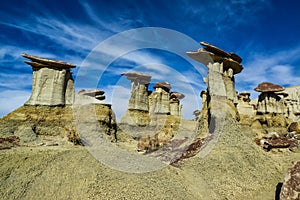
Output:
x,y
274,100
52,82
144,103
273,141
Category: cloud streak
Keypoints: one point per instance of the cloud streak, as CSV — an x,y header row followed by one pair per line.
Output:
x,y
271,68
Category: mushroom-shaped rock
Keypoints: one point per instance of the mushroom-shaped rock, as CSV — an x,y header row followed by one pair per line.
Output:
x,y
39,62
139,91
177,95
268,100
215,50
244,96
212,54
52,82
164,85
139,77
268,87
91,93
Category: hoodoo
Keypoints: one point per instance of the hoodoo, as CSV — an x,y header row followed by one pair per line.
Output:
x,y
52,82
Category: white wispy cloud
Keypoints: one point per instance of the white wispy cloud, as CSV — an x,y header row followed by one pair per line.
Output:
x,y
271,67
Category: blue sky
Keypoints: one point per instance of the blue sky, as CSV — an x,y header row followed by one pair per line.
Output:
x,y
91,35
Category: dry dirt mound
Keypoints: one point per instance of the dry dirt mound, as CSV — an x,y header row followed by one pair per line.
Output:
x,y
235,169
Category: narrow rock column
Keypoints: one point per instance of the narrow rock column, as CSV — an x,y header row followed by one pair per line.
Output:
x,y
137,113
175,106
139,91
160,99
52,82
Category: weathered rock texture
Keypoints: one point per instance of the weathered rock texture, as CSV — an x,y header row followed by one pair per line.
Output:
x,y
160,99
220,85
222,67
52,82
139,91
269,101
175,106
137,113
245,106
143,103
291,187
97,94
47,118
292,101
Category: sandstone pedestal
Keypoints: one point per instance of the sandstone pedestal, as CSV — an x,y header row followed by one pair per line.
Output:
x,y
221,98
160,98
53,84
137,113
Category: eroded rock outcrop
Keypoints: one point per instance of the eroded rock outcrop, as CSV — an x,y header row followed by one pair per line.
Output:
x,y
139,91
245,106
97,94
137,113
270,100
222,66
52,82
47,118
175,106
292,101
160,99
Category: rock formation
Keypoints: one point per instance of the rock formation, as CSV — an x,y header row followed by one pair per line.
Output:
x,y
291,187
160,98
47,118
139,91
137,113
222,67
292,101
97,94
245,106
269,101
175,106
52,82
220,84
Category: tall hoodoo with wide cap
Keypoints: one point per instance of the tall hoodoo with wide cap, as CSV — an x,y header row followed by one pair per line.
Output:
x,y
52,82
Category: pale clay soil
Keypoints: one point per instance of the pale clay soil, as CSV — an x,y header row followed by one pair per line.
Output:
x,y
235,168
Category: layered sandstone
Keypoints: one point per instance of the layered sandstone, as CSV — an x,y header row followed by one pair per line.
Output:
x,y
52,82
245,106
160,98
220,93
139,91
269,101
